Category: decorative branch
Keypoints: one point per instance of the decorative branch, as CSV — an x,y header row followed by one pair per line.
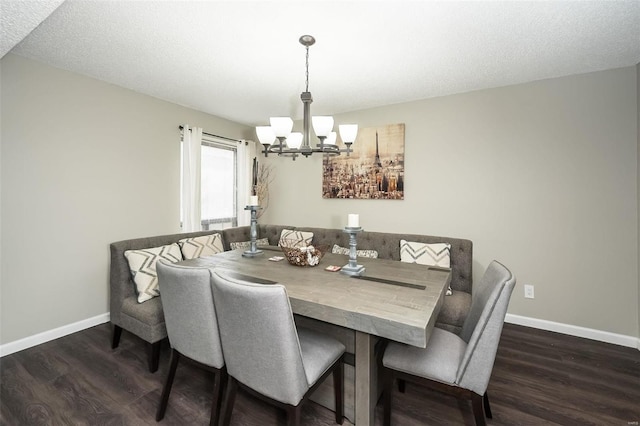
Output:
x,y
262,187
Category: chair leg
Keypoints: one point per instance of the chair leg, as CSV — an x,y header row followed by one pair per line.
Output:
x,y
478,412
338,385
487,407
219,384
230,399
401,385
293,415
387,389
153,355
115,336
166,390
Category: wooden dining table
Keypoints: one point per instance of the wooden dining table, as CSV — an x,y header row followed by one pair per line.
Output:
x,y
391,300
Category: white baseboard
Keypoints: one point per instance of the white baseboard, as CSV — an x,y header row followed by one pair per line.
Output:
x,y
46,336
574,330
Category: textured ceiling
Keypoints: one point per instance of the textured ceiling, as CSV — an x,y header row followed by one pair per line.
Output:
x,y
19,18
241,59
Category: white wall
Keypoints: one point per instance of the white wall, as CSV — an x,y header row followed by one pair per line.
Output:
x,y
541,176
83,164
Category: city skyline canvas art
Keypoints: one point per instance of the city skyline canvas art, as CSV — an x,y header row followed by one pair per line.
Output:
x,y
374,170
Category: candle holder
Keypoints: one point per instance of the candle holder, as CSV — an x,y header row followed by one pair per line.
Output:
x,y
352,268
253,249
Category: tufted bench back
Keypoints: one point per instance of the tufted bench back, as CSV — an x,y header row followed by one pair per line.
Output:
x,y
235,235
243,233
388,247
120,280
328,236
272,232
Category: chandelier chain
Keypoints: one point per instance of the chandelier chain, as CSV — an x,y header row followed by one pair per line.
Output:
x,y
307,71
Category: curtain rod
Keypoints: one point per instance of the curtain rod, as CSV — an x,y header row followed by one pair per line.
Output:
x,y
221,137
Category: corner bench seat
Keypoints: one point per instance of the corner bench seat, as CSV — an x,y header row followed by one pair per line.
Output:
x,y
146,320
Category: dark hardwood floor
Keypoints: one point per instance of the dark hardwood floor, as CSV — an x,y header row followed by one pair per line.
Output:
x,y
539,378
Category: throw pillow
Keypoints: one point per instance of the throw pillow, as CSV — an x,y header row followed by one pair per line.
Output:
x,y
142,264
373,254
247,244
435,254
295,239
206,245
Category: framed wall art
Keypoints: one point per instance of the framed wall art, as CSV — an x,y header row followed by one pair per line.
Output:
x,y
374,170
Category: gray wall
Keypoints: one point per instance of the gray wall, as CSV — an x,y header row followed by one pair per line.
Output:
x,y
638,176
541,176
83,164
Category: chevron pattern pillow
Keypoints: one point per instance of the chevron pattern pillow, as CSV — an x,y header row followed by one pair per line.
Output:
x,y
295,239
206,245
247,244
435,254
373,254
142,264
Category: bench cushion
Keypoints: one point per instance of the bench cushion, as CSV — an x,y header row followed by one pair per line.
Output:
x,y
143,319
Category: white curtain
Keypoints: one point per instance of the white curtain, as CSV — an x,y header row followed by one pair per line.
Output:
x,y
191,141
246,152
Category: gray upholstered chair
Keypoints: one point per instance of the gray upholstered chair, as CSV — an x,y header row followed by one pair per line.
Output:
x,y
192,328
265,353
458,365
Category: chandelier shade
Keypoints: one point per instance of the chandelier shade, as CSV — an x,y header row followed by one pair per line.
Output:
x,y
282,126
294,144
348,133
294,141
331,139
322,125
265,134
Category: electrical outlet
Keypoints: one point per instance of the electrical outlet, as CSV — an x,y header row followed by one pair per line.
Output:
x,y
528,291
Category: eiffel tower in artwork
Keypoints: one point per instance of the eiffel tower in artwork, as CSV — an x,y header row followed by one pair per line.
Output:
x,y
377,160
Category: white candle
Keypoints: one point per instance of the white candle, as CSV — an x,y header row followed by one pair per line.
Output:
x,y
253,200
353,221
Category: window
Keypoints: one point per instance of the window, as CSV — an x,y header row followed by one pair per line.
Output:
x,y
218,185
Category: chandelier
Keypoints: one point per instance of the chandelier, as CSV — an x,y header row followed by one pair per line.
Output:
x,y
278,138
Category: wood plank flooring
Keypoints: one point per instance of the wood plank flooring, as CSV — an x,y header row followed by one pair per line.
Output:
x,y
539,378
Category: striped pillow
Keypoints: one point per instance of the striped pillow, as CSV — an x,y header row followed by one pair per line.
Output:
x,y
206,245
295,239
142,264
435,254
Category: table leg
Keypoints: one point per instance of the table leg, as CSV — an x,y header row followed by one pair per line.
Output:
x,y
366,379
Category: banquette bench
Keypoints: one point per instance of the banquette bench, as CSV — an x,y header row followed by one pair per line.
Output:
x,y
146,320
